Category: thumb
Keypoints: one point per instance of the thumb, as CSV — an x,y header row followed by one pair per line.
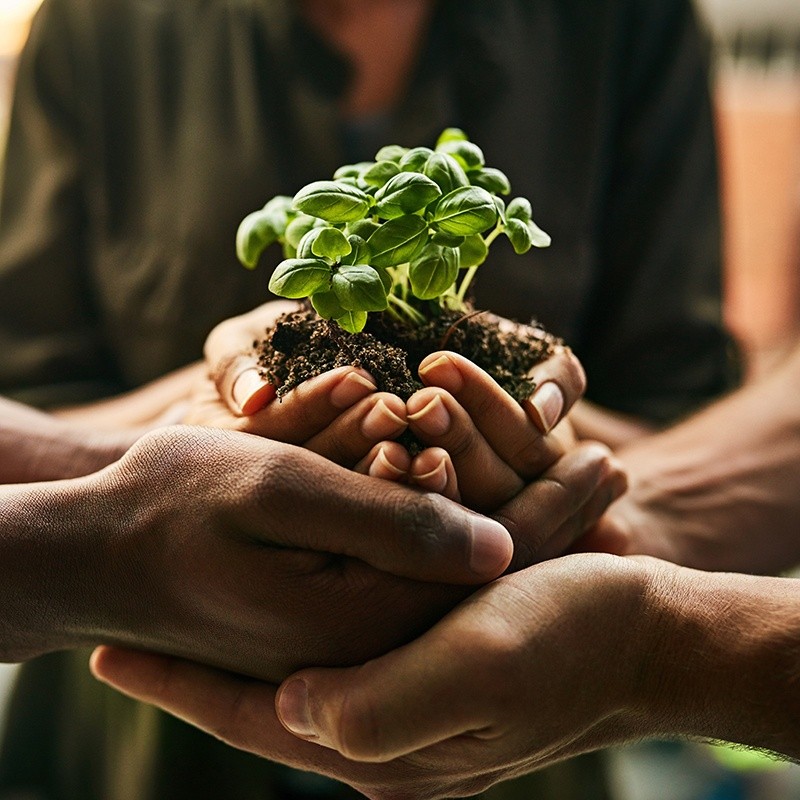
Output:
x,y
408,699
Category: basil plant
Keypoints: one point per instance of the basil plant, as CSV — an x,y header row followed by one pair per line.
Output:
x,y
391,234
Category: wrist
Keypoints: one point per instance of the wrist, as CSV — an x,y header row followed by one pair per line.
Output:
x,y
723,653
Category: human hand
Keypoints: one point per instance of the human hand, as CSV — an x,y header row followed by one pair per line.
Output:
x,y
338,414
534,668
247,554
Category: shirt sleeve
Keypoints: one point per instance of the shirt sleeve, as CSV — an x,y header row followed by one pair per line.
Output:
x,y
654,342
49,342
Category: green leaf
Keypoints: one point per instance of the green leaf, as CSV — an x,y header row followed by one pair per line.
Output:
x,y
333,201
433,272
405,193
299,277
465,211
414,160
447,239
538,237
500,205
392,152
256,232
298,228
359,288
469,155
305,245
359,252
353,321
491,179
352,170
519,235
380,172
330,243
473,252
398,241
363,228
326,304
446,172
519,208
451,135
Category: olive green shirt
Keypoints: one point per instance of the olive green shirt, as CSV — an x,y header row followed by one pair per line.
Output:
x,y
142,131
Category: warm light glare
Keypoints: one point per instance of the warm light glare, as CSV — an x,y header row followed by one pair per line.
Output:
x,y
15,16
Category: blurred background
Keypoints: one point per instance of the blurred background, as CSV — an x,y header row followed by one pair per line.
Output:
x,y
757,92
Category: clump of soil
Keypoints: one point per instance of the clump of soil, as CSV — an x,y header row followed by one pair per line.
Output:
x,y
302,346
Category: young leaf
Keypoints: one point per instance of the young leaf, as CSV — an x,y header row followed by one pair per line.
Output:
x,y
330,243
359,252
469,155
414,160
465,211
433,272
473,252
392,152
519,208
353,321
299,277
490,179
305,245
363,228
398,241
380,172
519,235
538,237
405,193
446,171
298,228
352,170
333,201
326,304
359,288
451,135
256,232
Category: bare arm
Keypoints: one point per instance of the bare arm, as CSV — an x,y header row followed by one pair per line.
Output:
x,y
720,491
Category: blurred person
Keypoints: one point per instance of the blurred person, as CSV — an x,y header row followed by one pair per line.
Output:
x,y
142,132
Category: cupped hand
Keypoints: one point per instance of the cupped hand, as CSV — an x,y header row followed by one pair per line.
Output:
x,y
534,668
260,557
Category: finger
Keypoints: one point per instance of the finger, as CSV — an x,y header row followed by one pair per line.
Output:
x,y
502,421
237,710
349,437
413,697
485,481
432,470
549,514
394,528
232,363
387,460
560,383
312,406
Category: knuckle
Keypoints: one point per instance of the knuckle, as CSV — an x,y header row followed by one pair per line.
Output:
x,y
421,518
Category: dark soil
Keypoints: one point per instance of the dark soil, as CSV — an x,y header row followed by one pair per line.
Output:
x,y
302,346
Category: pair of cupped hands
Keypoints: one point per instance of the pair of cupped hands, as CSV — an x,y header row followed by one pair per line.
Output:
x,y
304,534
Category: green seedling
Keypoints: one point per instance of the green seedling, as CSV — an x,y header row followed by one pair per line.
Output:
x,y
399,234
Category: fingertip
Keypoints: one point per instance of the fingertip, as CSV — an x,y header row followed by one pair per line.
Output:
x,y
292,708
491,548
440,369
545,406
250,392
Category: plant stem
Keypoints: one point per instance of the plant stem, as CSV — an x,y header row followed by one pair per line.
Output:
x,y
407,309
468,278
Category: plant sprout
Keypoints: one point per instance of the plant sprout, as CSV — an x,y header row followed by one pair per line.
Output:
x,y
392,234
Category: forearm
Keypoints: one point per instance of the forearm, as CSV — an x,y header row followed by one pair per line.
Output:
x,y
720,491
724,659
35,446
46,571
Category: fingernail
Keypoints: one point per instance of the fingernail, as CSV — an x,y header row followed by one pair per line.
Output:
x,y
433,418
381,422
491,547
442,372
293,710
548,403
435,480
381,466
250,392
352,388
